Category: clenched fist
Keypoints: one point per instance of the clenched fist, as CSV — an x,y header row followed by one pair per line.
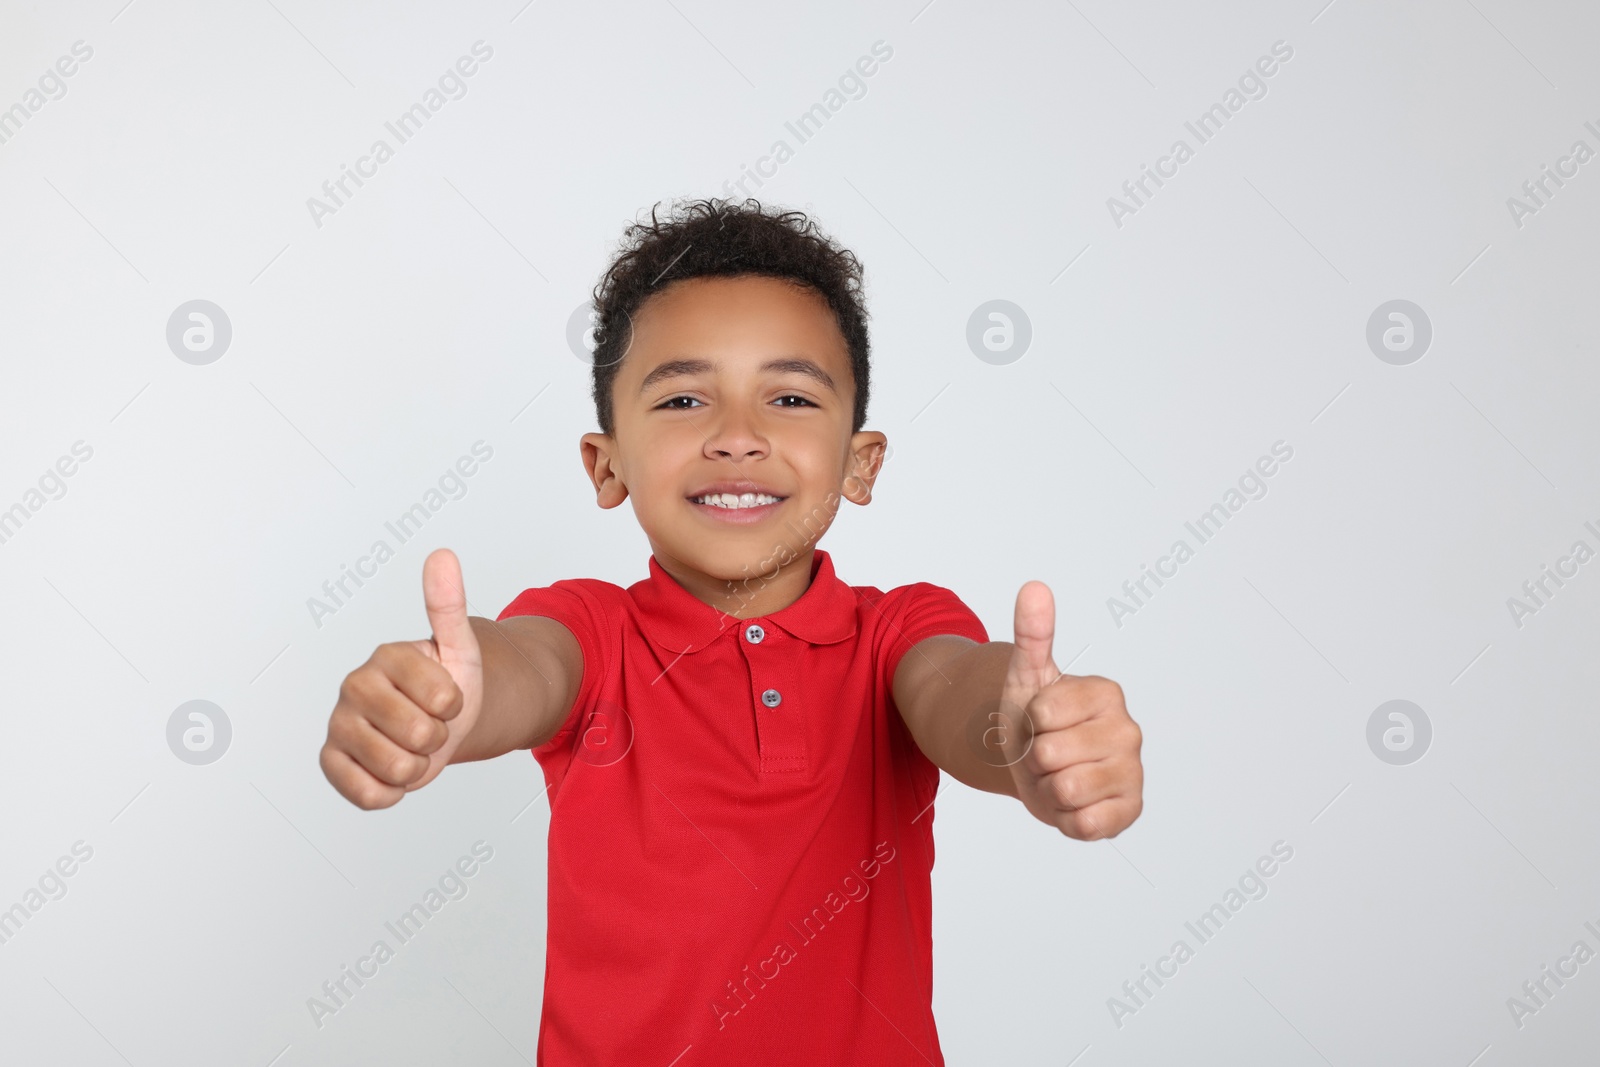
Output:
x,y
1082,773
401,714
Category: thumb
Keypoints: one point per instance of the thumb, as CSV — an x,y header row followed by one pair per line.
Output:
x,y
445,597
1034,628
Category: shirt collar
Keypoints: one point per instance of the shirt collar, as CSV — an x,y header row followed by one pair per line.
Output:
x,y
681,623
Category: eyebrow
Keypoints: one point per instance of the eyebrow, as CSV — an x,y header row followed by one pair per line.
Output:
x,y
677,368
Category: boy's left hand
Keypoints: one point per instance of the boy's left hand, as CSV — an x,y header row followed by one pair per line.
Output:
x,y
1081,773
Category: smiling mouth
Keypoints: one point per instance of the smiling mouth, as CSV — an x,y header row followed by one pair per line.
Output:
x,y
737,501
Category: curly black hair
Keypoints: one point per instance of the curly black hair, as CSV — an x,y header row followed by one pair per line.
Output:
x,y
711,238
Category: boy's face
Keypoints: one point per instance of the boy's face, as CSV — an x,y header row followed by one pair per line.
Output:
x,y
733,385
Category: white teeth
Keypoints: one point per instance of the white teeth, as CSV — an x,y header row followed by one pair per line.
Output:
x,y
735,500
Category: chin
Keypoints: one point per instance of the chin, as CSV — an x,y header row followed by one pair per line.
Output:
x,y
735,563
734,557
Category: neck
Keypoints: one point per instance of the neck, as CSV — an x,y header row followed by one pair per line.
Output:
x,y
747,596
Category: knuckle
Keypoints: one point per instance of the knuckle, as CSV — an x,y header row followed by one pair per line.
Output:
x,y
1107,690
340,725
1065,790
369,796
1040,752
443,697
402,766
420,735
357,687
1074,827
351,784
1131,778
390,657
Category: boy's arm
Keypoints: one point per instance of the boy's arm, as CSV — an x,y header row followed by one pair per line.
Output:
x,y
1000,717
475,689
532,667
947,689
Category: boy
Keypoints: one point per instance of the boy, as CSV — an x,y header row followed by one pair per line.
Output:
x,y
741,750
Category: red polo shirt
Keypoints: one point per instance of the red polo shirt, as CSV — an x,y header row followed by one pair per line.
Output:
x,y
741,829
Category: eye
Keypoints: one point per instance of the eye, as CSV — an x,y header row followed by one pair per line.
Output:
x,y
799,401
671,404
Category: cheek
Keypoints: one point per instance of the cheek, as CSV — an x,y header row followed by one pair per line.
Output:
x,y
815,458
654,462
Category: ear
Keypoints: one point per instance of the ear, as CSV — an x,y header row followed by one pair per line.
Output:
x,y
599,452
867,450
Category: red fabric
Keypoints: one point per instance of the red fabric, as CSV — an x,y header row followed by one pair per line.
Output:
x,y
732,883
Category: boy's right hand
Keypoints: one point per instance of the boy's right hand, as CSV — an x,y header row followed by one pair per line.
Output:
x,y
401,714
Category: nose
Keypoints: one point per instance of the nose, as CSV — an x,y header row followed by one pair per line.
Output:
x,y
735,436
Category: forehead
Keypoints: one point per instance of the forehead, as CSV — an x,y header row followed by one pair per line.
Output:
x,y
738,317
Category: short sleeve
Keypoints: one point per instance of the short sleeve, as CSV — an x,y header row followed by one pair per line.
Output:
x,y
917,612
575,604
910,614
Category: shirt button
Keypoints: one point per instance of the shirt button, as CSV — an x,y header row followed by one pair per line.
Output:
x,y
771,698
754,633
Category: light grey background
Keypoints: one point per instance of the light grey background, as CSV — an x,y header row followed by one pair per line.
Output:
x,y
1168,353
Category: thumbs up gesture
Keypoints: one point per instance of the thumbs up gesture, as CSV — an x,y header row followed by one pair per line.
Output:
x,y
1081,772
402,714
